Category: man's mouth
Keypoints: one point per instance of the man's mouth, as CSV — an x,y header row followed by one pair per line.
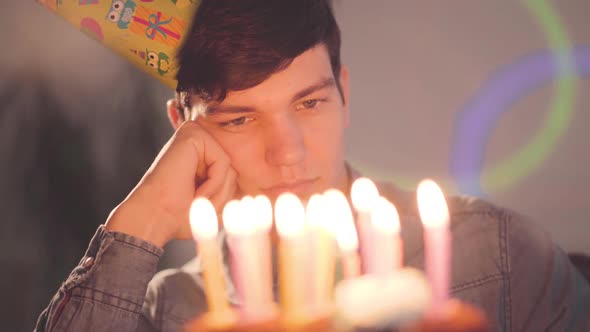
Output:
x,y
298,187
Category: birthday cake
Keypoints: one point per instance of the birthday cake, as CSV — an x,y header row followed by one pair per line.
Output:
x,y
386,297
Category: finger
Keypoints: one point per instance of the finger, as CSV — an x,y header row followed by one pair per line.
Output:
x,y
218,199
181,153
215,178
213,164
226,193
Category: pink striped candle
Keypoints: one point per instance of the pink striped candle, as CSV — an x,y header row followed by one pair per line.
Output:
x,y
364,194
386,256
437,239
247,231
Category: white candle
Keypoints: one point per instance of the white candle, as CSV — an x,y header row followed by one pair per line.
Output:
x,y
341,224
364,194
203,221
437,239
290,223
245,234
263,209
387,244
320,253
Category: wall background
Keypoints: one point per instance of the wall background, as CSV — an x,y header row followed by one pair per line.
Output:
x,y
419,73
79,126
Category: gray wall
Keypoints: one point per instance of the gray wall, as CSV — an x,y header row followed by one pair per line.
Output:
x,y
418,66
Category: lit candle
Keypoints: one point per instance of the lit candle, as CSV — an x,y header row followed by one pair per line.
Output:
x,y
246,231
387,244
364,194
321,254
239,229
290,223
341,224
437,239
263,210
203,221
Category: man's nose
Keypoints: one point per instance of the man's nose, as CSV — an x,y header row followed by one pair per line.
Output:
x,y
285,143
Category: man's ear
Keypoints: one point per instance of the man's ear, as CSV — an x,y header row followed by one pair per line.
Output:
x,y
174,115
344,85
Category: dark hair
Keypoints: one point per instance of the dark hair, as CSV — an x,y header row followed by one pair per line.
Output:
x,y
234,45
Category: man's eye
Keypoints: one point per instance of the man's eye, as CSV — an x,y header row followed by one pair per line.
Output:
x,y
310,104
237,122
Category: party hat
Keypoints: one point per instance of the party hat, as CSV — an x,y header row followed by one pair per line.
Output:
x,y
148,33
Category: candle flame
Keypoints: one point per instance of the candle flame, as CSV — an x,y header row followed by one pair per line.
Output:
x,y
341,223
432,204
247,201
237,217
315,212
289,215
263,209
384,216
363,194
248,215
203,219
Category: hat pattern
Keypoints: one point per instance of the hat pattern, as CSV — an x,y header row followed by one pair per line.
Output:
x,y
148,33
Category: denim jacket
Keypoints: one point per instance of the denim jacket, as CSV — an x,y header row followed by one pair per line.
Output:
x,y
501,262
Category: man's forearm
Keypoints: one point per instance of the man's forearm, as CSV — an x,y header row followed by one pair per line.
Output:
x,y
106,291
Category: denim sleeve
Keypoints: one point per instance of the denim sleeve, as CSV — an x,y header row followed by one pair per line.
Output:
x,y
107,289
547,293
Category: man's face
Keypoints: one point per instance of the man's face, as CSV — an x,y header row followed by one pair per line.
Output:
x,y
286,134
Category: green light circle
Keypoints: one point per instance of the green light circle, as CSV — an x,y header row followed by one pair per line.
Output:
x,y
530,156
506,172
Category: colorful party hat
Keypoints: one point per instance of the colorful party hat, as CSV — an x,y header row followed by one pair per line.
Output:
x,y
148,33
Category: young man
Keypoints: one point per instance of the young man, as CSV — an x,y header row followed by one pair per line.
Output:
x,y
261,108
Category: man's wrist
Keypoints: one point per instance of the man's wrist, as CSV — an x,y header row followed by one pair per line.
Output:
x,y
138,221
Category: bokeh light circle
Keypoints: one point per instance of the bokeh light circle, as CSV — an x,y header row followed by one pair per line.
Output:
x,y
511,83
507,85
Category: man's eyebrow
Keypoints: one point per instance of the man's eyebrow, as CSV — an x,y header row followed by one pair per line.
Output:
x,y
219,109
328,82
